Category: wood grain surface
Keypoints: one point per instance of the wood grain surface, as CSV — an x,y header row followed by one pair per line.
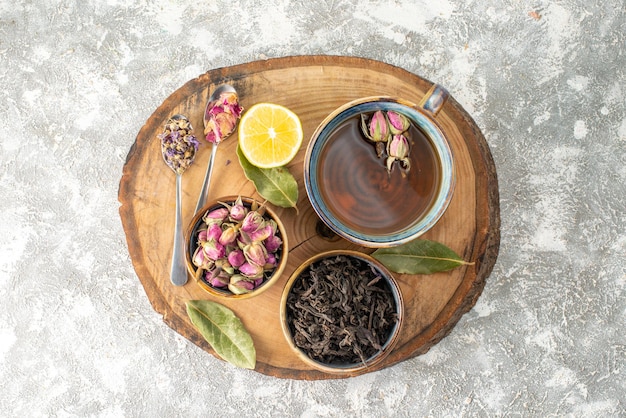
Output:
x,y
311,86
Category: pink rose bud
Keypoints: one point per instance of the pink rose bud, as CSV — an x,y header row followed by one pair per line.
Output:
x,y
214,232
202,235
236,258
226,266
260,234
398,149
255,253
215,216
216,282
270,263
273,243
251,271
398,123
240,285
243,239
377,129
213,250
229,235
200,259
217,277
252,222
238,211
258,282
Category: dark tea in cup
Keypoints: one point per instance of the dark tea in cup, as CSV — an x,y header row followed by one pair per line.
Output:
x,y
361,193
374,192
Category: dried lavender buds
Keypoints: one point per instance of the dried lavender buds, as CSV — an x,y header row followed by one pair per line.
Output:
x,y
340,310
178,145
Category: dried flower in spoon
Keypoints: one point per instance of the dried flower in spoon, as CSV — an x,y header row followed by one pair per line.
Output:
x,y
221,117
178,145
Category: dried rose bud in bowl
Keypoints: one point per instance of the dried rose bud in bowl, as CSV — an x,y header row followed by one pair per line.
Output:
x,y
236,247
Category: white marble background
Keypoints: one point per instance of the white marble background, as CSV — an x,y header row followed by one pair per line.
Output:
x,y
544,80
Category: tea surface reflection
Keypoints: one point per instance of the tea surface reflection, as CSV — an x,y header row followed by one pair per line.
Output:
x,y
356,187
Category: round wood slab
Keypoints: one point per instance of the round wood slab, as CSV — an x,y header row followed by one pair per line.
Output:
x,y
311,86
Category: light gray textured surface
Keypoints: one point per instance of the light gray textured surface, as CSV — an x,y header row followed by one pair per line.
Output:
x,y
78,336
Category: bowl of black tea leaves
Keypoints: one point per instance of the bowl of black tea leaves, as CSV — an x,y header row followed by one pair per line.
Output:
x,y
341,312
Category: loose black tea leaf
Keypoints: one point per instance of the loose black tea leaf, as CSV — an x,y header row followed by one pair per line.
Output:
x,y
340,310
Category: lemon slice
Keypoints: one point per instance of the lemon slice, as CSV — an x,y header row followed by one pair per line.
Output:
x,y
270,135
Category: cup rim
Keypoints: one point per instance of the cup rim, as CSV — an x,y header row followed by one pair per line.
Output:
x,y
192,269
433,133
391,341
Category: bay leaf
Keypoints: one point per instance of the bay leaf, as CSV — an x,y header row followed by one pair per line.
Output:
x,y
224,331
277,185
419,257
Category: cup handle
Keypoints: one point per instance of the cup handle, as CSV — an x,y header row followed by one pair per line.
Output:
x,y
434,99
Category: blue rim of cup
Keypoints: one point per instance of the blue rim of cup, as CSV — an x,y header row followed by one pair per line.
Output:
x,y
440,145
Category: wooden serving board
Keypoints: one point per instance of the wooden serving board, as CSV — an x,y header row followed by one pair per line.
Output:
x,y
311,86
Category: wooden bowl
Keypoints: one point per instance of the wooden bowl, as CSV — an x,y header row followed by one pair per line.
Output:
x,y
345,368
191,245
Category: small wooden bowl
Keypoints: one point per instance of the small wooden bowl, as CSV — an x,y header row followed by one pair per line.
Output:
x,y
345,368
191,245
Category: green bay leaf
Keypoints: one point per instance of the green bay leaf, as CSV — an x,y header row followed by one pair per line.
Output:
x,y
277,185
419,257
224,331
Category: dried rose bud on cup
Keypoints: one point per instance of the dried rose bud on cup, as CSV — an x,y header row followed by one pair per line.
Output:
x,y
236,247
389,131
